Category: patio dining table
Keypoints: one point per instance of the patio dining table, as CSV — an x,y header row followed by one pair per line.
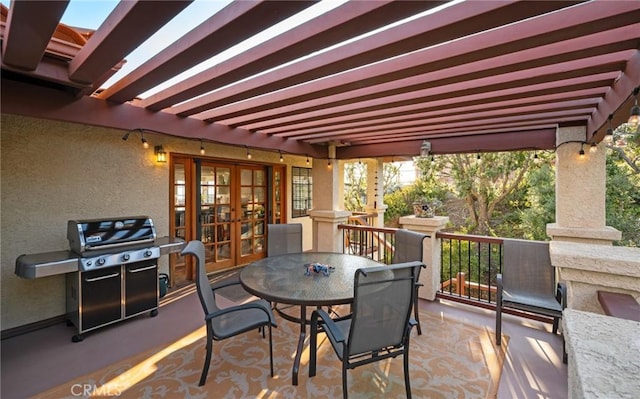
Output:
x,y
286,279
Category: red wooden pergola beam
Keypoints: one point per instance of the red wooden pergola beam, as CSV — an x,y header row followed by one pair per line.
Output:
x,y
453,22
339,24
536,32
128,26
25,42
624,38
231,25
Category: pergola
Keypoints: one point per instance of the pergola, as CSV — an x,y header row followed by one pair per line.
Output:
x,y
372,78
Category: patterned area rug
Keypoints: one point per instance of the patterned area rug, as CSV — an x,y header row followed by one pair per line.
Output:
x,y
450,359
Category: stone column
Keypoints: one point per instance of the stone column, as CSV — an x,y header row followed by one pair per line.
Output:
x,y
327,213
581,249
431,257
580,191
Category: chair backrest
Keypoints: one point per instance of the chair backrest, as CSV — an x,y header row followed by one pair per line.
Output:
x,y
284,239
383,299
207,299
526,268
408,246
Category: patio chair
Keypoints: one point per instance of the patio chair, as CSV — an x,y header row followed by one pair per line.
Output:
x,y
230,321
528,283
379,326
284,239
408,247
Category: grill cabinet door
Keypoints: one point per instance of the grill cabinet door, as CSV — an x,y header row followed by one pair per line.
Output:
x,y
141,287
101,297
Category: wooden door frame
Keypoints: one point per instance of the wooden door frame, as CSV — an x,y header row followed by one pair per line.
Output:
x,y
190,191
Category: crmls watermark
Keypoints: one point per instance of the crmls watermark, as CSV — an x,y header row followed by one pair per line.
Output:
x,y
86,390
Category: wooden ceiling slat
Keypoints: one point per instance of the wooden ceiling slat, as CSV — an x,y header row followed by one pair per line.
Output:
x,y
451,23
517,80
30,27
536,32
535,102
128,26
339,24
583,47
231,25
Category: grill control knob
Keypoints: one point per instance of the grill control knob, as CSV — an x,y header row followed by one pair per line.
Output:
x,y
147,253
126,257
101,261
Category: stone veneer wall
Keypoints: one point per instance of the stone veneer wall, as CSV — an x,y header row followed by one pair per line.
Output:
x,y
52,172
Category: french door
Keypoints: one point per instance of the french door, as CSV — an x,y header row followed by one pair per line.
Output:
x,y
227,207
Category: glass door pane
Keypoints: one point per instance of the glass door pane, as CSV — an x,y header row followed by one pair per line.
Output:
x,y
253,212
215,215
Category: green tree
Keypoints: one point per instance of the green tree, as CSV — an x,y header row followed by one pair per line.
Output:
x,y
355,186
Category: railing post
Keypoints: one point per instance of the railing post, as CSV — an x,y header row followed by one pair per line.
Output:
x,y
460,283
430,277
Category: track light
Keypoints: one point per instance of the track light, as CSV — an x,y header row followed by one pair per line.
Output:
x,y
202,151
634,117
145,143
608,138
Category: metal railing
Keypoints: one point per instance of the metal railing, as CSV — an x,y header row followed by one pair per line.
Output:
x,y
469,263
468,268
371,242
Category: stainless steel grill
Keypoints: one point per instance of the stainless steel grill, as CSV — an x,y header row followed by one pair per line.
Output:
x,y
111,269
110,242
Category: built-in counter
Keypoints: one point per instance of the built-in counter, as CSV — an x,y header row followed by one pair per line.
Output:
x,y
604,356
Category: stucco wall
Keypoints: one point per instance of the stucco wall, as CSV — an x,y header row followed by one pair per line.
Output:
x,y
52,172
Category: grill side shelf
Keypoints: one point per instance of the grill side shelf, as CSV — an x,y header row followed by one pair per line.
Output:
x,y
46,264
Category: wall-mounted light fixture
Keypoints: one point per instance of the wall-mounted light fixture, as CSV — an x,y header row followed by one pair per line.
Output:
x,y
634,117
202,151
248,153
161,155
307,159
329,163
281,158
425,148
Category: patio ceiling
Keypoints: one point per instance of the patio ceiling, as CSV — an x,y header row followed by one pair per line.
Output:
x,y
468,76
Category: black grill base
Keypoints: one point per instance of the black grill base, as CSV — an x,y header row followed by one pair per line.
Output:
x,y
102,297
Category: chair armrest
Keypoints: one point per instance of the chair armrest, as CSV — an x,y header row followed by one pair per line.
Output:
x,y
223,284
243,307
328,324
561,295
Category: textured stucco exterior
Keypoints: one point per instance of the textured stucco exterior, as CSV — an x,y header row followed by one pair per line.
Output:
x,y
52,172
604,356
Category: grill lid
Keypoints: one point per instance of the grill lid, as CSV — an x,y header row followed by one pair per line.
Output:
x,y
97,234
